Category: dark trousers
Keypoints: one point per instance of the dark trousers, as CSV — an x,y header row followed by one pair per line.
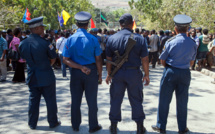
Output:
x,y
177,80
49,94
14,64
79,83
132,80
154,57
19,75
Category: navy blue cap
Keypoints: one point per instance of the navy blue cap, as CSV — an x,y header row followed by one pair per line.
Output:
x,y
35,22
83,17
182,20
126,19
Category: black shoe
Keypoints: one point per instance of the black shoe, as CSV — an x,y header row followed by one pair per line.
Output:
x,y
57,124
140,128
32,127
155,128
184,132
95,129
75,129
113,128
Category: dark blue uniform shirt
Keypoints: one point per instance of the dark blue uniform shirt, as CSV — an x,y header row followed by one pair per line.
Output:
x,y
119,41
37,52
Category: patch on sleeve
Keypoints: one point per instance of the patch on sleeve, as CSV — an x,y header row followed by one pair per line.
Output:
x,y
67,47
51,47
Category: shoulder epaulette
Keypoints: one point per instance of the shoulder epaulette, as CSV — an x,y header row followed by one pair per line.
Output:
x,y
171,39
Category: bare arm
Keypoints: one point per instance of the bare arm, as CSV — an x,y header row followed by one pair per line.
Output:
x,y
108,66
145,64
163,62
53,61
72,64
99,67
192,62
2,57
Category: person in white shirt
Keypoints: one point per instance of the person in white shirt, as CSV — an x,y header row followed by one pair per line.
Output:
x,y
59,46
154,43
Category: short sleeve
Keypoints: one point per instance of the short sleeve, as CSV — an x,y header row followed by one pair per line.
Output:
x,y
108,51
5,45
98,49
165,52
195,53
51,52
66,49
16,41
144,49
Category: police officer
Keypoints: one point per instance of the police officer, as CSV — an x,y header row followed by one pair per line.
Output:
x,y
40,55
82,53
128,76
178,55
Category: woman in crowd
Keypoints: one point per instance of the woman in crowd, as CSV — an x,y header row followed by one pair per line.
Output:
x,y
19,75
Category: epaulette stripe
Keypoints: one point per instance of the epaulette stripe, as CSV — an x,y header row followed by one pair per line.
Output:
x,y
171,39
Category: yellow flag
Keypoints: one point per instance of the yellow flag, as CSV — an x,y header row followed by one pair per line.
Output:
x,y
66,16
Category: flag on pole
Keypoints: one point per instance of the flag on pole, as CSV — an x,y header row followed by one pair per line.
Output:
x,y
103,19
65,16
60,20
26,16
134,25
92,23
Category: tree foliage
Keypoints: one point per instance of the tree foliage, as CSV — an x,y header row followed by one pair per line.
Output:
x,y
46,8
159,14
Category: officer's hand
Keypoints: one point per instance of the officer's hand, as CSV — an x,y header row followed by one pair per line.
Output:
x,y
100,80
1,59
108,79
85,70
146,80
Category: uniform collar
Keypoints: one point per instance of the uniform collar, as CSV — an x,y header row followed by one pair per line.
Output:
x,y
82,30
181,34
127,29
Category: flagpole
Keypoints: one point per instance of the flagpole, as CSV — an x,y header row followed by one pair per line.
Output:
x,y
58,20
100,16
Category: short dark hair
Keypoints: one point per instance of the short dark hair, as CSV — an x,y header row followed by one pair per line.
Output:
x,y
182,29
9,31
205,31
161,32
153,31
137,30
16,31
82,24
67,35
99,30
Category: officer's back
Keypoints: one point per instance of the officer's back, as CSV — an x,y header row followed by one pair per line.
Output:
x,y
119,41
178,51
36,51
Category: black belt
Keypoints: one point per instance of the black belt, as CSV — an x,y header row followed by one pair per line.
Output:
x,y
130,68
90,64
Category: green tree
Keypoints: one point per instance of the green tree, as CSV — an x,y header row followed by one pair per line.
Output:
x,y
48,9
158,14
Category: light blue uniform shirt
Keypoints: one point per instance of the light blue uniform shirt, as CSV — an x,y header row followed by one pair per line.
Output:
x,y
3,46
82,47
179,51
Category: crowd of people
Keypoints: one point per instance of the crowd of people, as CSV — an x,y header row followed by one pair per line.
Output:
x,y
155,41
84,52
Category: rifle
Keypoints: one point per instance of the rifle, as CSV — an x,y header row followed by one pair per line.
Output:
x,y
124,58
